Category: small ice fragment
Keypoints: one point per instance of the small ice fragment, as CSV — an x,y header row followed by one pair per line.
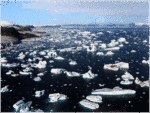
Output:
x,y
39,93
37,79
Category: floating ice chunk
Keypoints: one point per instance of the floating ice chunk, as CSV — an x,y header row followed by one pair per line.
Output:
x,y
56,97
115,91
72,74
24,110
109,53
123,65
121,40
144,41
3,60
113,48
9,72
51,61
89,75
142,84
18,104
133,51
21,56
14,75
39,93
100,33
112,67
73,63
88,104
37,79
41,64
57,71
10,65
46,57
121,45
52,54
40,74
24,73
42,53
29,60
127,42
103,46
59,58
101,85
146,62
24,65
4,89
117,79
27,69
39,111
93,98
126,82
100,53
127,76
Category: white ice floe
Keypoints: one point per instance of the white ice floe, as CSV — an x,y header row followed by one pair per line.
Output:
x,y
46,57
112,67
24,73
117,79
9,72
89,75
113,48
121,40
14,75
37,79
100,33
3,60
52,54
126,82
72,74
41,64
93,98
113,43
29,60
88,104
146,62
127,42
39,93
56,97
21,56
57,71
4,89
24,65
51,61
115,91
21,106
123,65
100,53
121,45
101,85
142,84
10,65
59,58
42,53
103,46
28,69
73,63
109,53
40,74
144,41
133,51
127,76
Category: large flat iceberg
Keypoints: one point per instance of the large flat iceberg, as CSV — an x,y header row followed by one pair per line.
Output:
x,y
56,97
115,91
88,104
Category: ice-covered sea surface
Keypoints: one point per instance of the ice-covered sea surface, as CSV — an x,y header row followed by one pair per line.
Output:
x,y
80,45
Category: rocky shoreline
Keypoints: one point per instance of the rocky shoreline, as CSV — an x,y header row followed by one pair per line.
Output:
x,y
15,33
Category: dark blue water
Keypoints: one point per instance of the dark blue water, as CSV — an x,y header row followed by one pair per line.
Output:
x,y
24,86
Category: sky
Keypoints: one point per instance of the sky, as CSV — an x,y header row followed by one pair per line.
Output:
x,y
74,12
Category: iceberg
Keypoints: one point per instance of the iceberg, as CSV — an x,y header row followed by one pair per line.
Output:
x,y
88,104
133,51
72,74
103,46
89,75
100,53
115,91
57,71
109,53
56,97
21,56
51,61
142,84
121,40
24,73
112,67
4,89
126,82
127,76
39,93
73,63
3,60
93,98
37,79
9,72
123,65
146,62
121,45
42,53
40,74
18,104
113,48
144,41
59,58
52,54
10,65
41,64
